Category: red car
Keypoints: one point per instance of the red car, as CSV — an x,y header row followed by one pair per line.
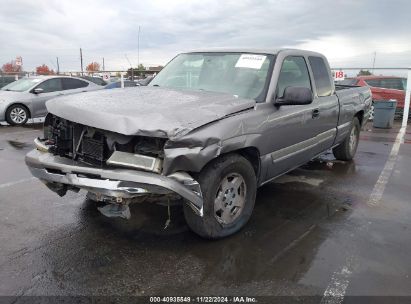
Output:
x,y
382,88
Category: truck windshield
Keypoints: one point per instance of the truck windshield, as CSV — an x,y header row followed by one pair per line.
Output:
x,y
242,75
21,85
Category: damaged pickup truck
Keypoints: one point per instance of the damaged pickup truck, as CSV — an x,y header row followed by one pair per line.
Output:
x,y
210,129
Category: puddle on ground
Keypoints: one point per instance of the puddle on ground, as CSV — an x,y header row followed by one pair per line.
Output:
x,y
336,166
18,145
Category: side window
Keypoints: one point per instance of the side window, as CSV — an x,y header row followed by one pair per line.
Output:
x,y
321,76
374,83
51,85
347,81
404,83
72,83
294,73
392,83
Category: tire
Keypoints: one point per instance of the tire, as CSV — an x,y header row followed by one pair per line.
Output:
x,y
232,178
347,149
17,115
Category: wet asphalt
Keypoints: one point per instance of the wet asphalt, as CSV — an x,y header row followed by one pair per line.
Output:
x,y
312,232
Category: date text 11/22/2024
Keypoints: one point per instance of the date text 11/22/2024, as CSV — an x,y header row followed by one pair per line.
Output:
x,y
204,299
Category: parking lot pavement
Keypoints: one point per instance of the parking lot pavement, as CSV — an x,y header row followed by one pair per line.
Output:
x,y
328,228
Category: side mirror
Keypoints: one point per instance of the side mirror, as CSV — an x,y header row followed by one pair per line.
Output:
x,y
38,90
295,96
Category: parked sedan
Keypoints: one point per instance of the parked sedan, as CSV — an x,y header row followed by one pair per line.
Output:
x,y
146,81
26,98
96,80
5,80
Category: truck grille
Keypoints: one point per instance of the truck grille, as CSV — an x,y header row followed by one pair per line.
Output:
x,y
92,150
66,136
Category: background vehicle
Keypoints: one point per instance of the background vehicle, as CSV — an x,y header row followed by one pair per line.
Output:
x,y
5,80
117,84
96,80
382,88
210,128
145,81
26,98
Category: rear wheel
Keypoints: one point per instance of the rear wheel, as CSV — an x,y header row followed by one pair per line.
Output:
x,y
347,149
229,186
17,115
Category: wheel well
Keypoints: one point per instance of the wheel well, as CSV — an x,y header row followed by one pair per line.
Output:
x,y
360,116
253,156
22,105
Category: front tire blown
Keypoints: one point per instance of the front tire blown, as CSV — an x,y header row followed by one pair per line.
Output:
x,y
229,186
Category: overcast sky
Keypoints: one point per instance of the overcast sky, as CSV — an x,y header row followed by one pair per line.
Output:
x,y
347,32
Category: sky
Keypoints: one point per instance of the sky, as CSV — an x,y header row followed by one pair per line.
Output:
x,y
348,32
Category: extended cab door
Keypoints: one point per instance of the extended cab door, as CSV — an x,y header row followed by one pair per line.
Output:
x,y
325,105
292,130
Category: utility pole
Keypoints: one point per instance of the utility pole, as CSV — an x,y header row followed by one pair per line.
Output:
x,y
373,62
138,51
81,61
132,70
58,66
103,65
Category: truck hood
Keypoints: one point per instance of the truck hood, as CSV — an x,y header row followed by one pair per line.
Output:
x,y
147,111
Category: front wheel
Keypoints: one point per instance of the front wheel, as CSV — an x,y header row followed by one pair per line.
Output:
x,y
229,186
17,115
347,149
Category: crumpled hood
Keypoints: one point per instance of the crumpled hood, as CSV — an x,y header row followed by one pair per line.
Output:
x,y
147,111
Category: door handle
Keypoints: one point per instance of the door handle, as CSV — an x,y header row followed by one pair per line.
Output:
x,y
315,113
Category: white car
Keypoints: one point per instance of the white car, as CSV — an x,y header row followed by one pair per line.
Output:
x,y
26,98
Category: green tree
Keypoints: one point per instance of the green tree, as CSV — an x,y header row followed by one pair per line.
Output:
x,y
364,73
140,69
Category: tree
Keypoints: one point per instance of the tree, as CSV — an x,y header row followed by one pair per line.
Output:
x,y
137,71
10,67
364,73
141,69
93,67
44,70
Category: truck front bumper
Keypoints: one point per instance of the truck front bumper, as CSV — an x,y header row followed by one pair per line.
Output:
x,y
61,174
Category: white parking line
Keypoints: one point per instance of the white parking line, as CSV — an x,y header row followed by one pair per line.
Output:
x,y
335,291
334,294
16,182
385,175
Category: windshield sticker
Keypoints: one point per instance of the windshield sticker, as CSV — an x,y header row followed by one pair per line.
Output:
x,y
250,61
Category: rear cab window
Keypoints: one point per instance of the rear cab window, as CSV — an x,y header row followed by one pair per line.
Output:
x,y
322,77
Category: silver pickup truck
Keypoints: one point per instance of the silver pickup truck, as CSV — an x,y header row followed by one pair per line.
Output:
x,y
210,129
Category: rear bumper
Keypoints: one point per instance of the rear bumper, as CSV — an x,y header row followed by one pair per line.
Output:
x,y
58,172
